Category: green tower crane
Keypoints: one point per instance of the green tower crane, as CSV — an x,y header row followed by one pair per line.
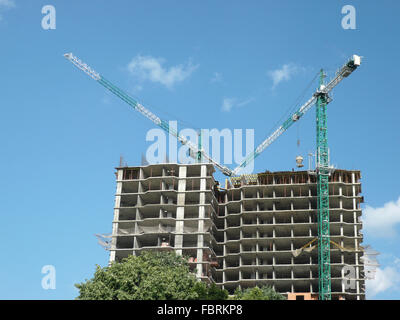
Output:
x,y
320,98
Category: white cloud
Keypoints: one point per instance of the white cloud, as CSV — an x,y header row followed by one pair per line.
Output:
x,y
245,102
229,103
283,74
7,3
382,221
151,69
385,279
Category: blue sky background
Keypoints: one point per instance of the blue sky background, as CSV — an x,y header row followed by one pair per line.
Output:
x,y
61,134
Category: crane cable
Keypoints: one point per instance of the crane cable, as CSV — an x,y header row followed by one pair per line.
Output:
x,y
293,106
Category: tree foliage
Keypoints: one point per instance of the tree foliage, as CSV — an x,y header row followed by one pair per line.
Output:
x,y
211,292
256,293
150,276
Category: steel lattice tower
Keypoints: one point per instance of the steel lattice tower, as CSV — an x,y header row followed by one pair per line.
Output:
x,y
322,167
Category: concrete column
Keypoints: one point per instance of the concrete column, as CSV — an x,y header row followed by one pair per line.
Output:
x,y
273,269
117,205
199,265
355,235
112,256
343,284
140,187
200,238
357,277
354,191
139,200
117,202
180,210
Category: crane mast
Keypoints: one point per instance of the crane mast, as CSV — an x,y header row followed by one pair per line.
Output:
x,y
323,172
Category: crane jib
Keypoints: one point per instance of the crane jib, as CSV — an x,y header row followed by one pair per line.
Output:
x,y
343,72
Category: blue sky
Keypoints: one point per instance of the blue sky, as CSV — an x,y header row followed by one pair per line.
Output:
x,y
213,64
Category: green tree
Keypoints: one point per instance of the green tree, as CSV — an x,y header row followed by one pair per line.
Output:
x,y
215,293
256,293
211,292
150,276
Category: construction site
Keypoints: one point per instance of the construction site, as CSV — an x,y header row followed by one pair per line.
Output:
x,y
259,231
297,231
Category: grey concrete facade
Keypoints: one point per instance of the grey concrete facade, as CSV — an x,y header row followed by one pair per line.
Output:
x,y
243,235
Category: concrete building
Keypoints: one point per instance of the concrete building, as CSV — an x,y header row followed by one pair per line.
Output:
x,y
254,232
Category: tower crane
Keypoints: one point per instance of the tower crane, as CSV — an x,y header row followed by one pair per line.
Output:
x,y
320,98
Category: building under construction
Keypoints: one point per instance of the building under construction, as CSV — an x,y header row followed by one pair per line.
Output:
x,y
259,229
255,230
